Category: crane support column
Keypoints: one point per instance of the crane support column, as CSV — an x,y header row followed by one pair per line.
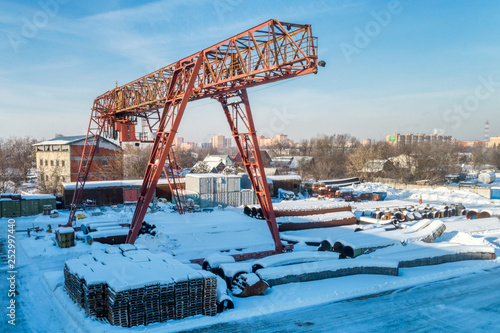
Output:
x,y
248,147
179,93
96,125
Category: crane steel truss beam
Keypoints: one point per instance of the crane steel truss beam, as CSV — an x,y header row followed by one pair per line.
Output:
x,y
269,52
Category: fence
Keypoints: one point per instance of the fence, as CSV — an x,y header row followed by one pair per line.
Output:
x,y
482,191
234,199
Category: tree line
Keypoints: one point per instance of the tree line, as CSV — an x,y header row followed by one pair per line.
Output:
x,y
17,158
333,156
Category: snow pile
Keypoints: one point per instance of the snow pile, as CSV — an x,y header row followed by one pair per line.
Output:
x,y
310,204
316,218
293,258
444,194
392,193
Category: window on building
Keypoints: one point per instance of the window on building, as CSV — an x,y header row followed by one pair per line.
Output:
x,y
104,163
39,148
62,163
57,162
84,163
46,162
64,147
46,148
41,162
51,162
56,148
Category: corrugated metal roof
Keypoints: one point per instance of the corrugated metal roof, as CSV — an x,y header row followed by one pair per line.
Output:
x,y
66,140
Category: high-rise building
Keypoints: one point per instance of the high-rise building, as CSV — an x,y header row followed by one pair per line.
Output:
x,y
217,141
487,131
178,142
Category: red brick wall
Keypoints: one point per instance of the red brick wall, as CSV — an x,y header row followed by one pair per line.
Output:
x,y
96,170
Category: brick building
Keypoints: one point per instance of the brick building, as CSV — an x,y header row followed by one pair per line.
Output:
x,y
58,160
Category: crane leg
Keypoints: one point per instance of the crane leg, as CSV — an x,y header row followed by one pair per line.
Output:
x,y
246,141
94,132
180,90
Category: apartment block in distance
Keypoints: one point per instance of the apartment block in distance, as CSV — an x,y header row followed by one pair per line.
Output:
x,y
408,139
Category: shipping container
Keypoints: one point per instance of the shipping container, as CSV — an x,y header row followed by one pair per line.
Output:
x,y
47,200
30,207
200,183
11,208
235,199
495,193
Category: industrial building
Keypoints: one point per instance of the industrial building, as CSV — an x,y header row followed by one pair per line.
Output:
x,y
57,160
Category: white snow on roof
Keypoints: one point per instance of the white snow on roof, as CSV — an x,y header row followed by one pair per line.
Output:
x,y
115,183
211,175
133,269
336,216
312,204
284,177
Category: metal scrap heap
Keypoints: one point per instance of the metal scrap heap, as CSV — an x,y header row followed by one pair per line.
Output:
x,y
131,286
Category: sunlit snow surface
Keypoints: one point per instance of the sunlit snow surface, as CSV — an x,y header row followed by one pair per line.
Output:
x,y
44,306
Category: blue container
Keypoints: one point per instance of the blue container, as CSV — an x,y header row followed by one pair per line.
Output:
x,y
495,193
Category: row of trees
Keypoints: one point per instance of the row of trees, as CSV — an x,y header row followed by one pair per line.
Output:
x,y
334,156
16,159
340,156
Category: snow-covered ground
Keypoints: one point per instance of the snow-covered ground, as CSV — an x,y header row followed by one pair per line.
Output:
x,y
44,306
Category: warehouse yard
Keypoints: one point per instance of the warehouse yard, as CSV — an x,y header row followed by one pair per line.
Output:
x,y
45,305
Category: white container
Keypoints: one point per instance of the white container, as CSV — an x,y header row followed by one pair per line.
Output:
x,y
486,177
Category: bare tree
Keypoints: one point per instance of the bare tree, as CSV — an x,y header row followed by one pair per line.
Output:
x,y
493,157
201,167
330,156
135,161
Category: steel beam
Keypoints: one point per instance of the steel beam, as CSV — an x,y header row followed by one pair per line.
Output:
x,y
180,90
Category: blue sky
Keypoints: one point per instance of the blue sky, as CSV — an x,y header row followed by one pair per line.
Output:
x,y
407,66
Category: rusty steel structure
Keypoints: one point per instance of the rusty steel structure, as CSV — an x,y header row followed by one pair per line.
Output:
x,y
269,52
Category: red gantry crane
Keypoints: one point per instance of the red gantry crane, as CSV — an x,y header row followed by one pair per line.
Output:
x,y
270,52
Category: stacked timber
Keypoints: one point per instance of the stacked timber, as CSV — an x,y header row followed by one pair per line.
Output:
x,y
301,208
307,214
133,287
369,240
325,270
327,220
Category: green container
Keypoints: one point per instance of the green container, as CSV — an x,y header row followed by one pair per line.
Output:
x,y
46,201
11,208
30,207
